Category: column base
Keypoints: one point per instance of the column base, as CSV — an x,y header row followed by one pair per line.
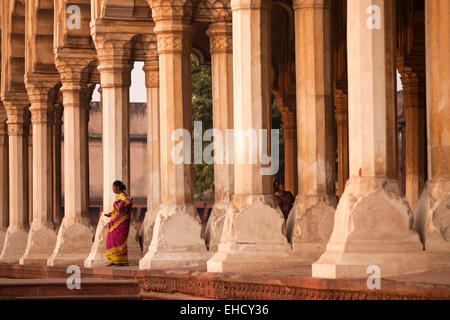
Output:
x,y
15,244
147,229
309,227
41,243
335,265
432,221
214,227
253,237
73,242
97,255
372,226
177,241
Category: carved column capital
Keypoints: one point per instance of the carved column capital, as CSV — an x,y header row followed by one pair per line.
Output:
x,y
114,59
18,116
73,72
412,76
41,93
146,48
151,65
221,37
179,10
151,77
42,115
413,81
113,51
172,25
175,41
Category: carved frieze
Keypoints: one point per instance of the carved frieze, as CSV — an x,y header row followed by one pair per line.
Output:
x,y
169,10
151,77
177,42
222,43
213,11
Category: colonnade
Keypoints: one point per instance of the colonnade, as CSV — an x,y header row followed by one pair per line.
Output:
x,y
372,223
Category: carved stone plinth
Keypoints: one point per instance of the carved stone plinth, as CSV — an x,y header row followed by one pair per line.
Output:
x,y
253,237
176,239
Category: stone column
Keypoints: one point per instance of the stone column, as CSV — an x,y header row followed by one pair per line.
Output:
x,y
29,137
290,151
221,46
151,69
4,176
115,76
57,124
413,81
432,216
17,233
311,220
341,103
373,222
177,238
42,235
252,237
75,233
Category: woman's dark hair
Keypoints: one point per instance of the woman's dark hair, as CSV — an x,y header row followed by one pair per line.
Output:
x,y
276,184
119,184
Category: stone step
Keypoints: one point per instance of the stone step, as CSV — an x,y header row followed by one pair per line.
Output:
x,y
75,297
51,288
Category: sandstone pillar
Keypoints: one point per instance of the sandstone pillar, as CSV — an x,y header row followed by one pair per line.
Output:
x,y
290,151
176,238
221,46
115,76
16,236
252,237
413,81
341,103
311,220
373,222
4,176
42,235
151,69
432,216
29,137
56,141
75,233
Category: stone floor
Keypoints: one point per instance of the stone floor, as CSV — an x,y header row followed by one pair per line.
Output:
x,y
294,283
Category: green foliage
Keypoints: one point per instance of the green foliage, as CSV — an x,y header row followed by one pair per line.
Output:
x,y
202,111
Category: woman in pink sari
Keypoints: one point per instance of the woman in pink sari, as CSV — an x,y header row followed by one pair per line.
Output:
x,y
118,227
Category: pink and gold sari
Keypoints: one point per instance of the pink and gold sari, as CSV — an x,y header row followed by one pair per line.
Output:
x,y
118,227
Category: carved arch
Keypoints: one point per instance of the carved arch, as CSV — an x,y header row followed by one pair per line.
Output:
x,y
13,49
